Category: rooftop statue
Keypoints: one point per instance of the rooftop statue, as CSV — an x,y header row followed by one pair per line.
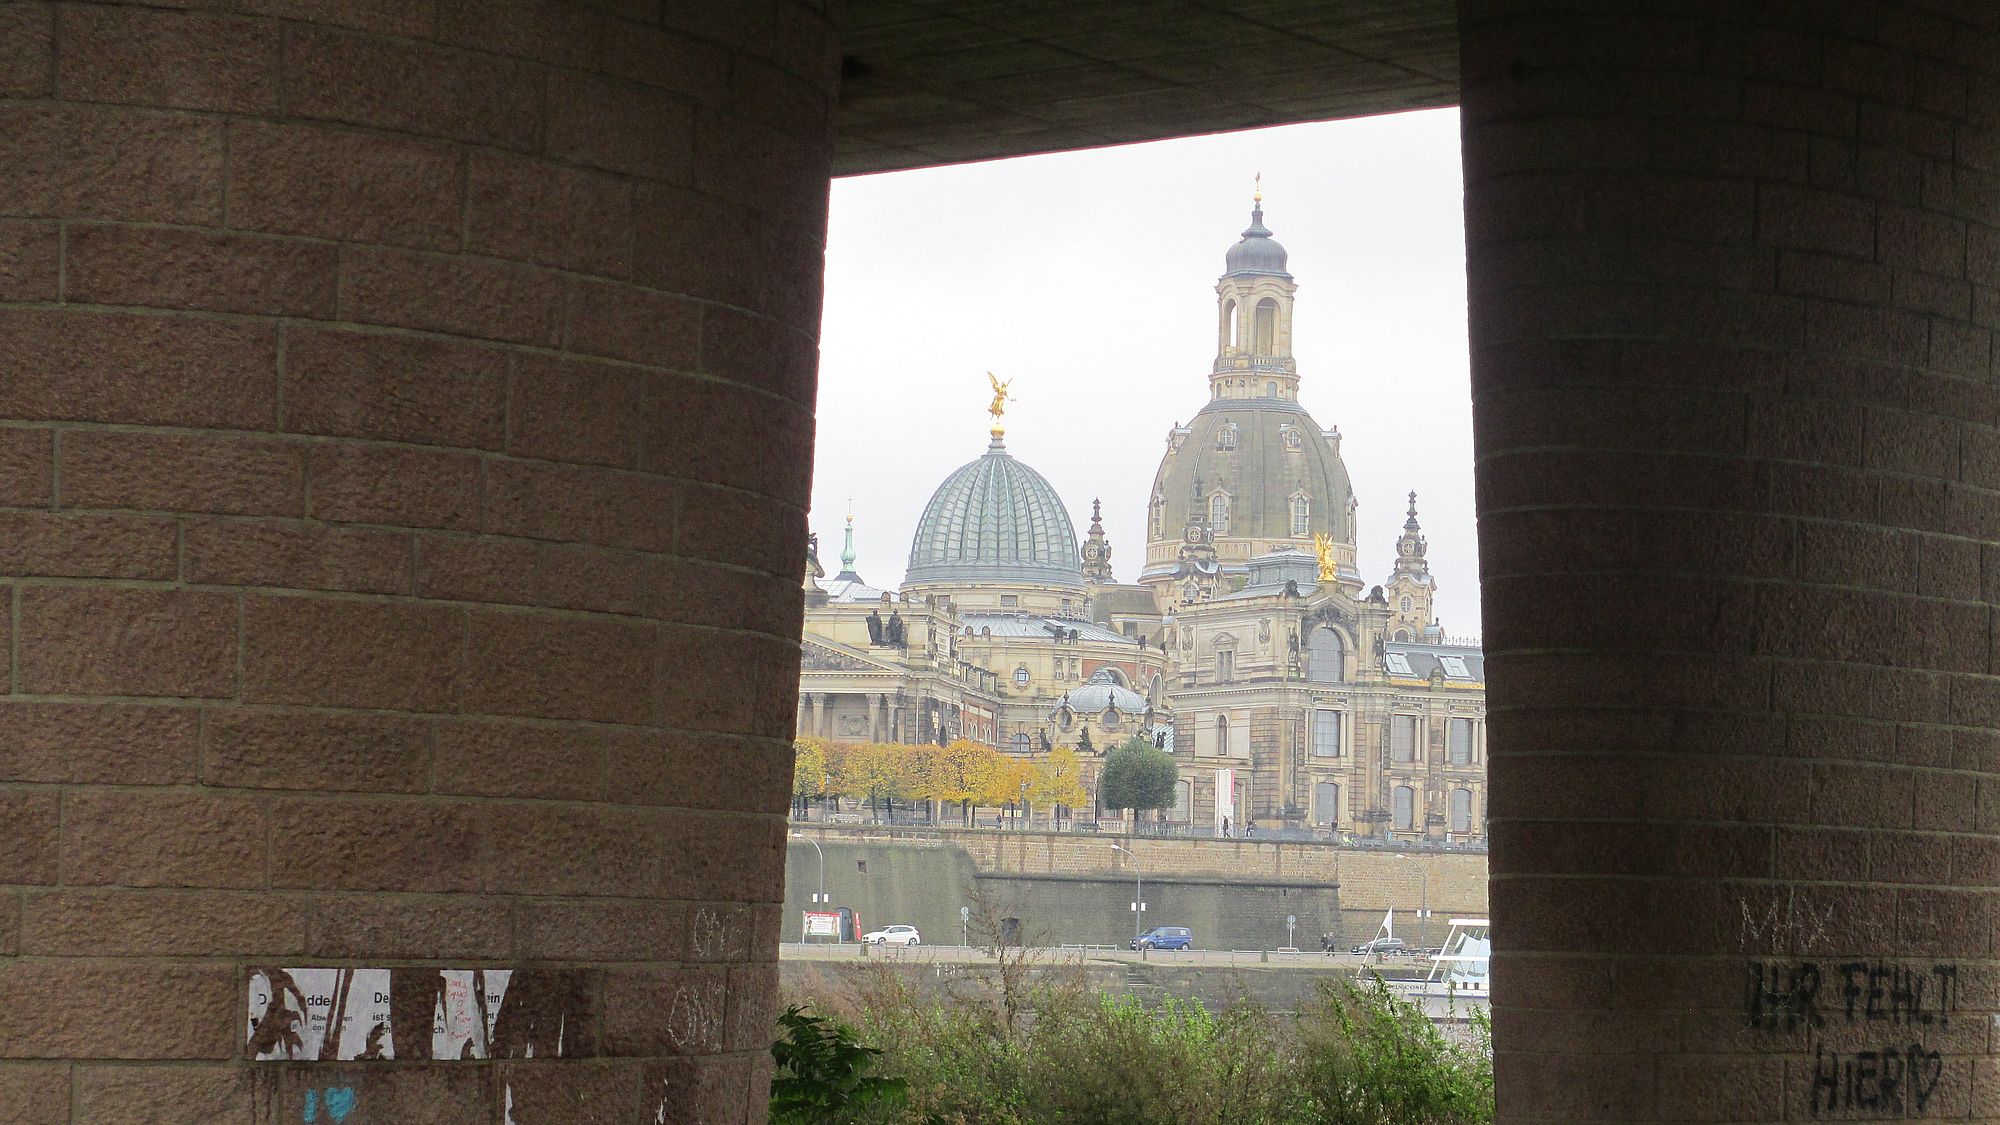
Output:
x,y
1323,547
1000,396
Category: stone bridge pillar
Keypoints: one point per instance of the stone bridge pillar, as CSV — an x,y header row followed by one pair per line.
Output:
x,y
1733,278
405,425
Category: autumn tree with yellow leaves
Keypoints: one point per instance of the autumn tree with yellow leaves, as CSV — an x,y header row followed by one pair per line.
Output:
x,y
968,774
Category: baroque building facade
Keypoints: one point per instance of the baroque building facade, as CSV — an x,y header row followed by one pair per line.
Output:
x,y
1293,694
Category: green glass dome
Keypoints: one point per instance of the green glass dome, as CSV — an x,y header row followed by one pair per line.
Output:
x,y
996,519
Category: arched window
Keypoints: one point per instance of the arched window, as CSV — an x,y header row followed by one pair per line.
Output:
x,y
1270,390
1267,327
1302,510
1402,634
1218,513
1326,803
1406,808
1159,515
1183,800
1461,810
1325,656
1226,435
1021,742
1406,603
1222,736
1109,720
1229,337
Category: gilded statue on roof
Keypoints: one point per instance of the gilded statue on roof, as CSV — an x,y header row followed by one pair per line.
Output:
x,y
1323,547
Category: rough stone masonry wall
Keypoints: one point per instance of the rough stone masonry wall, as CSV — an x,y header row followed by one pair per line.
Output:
x,y
1735,274
1368,880
405,424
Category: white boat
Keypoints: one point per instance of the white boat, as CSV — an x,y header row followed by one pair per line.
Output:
x,y
1459,972
1461,966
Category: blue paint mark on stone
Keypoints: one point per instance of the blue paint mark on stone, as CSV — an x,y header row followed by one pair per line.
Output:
x,y
340,1102
312,1106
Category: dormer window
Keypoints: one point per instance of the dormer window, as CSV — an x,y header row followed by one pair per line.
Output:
x,y
1226,437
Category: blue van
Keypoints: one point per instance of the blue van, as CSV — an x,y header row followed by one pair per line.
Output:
x,y
1165,937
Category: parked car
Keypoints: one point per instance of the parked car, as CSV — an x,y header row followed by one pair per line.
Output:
x,y
893,935
1165,937
1384,946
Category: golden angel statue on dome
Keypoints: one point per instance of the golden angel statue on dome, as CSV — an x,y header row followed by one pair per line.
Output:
x,y
1000,396
1323,547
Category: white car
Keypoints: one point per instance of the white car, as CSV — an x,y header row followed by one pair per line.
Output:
x,y
892,935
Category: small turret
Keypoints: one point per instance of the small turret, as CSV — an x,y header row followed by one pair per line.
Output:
x,y
1097,549
847,573
1411,587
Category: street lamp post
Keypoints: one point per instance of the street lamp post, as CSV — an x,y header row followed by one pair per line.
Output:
x,y
1138,892
820,896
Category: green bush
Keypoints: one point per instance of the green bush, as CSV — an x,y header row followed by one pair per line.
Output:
x,y
1352,1056
1368,1058
822,1075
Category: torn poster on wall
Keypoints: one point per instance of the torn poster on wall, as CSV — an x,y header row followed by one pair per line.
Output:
x,y
343,1015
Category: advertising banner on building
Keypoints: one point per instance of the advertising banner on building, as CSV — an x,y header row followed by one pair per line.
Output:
x,y
822,923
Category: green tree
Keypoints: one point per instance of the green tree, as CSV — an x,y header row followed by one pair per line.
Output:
x,y
1138,776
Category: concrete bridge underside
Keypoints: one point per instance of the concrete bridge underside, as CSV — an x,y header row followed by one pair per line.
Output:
x,y
405,430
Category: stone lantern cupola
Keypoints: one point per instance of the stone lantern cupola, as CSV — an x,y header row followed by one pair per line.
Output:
x,y
1253,351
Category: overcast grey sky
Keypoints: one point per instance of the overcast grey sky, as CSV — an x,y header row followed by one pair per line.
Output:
x,y
1088,278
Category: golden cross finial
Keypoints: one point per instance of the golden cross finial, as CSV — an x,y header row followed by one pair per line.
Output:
x,y
1257,195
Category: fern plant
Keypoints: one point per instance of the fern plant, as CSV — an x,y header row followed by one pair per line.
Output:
x,y
822,1076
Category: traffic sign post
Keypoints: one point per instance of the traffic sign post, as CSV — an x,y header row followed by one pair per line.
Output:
x,y
965,927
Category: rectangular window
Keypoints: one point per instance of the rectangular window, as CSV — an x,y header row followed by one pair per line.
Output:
x,y
1399,664
1225,666
1461,742
1326,734
1454,667
1402,738
1010,599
